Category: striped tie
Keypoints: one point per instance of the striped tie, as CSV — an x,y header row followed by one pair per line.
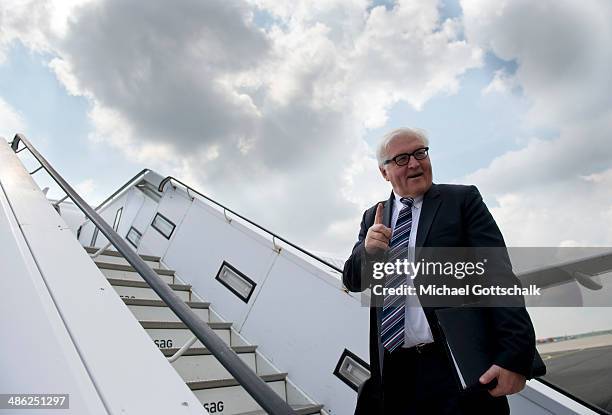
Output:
x,y
392,329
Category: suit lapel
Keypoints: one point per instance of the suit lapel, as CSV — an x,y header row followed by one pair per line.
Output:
x,y
431,203
429,209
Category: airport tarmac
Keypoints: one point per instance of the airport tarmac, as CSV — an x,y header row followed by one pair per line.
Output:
x,y
585,373
574,344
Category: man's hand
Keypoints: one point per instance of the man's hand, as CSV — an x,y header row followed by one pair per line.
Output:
x,y
378,236
508,382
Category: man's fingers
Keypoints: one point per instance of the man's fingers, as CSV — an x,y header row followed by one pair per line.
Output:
x,y
377,236
379,214
503,388
489,375
497,391
376,244
380,228
508,382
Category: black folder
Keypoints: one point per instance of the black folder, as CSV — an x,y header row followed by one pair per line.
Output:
x,y
470,344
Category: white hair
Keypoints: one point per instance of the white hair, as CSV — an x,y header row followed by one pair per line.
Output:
x,y
381,150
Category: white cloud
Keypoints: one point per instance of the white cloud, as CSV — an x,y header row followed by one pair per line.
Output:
x,y
406,54
260,118
85,188
27,21
561,47
502,83
10,120
64,74
553,191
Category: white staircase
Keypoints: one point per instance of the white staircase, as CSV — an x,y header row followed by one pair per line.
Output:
x,y
212,384
81,340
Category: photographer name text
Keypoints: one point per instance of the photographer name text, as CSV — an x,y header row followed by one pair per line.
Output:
x,y
444,290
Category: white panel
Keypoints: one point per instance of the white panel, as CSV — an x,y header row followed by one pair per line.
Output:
x,y
173,206
318,321
538,398
521,405
143,219
72,215
133,203
207,231
108,214
31,319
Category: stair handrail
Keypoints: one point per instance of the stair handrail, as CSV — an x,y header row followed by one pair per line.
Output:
x,y
122,188
263,394
274,236
125,186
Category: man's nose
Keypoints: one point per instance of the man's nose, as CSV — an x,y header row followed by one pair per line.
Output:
x,y
413,163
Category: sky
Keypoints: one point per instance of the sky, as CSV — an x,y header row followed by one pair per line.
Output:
x,y
274,108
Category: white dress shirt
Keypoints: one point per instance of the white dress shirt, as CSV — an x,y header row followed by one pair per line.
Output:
x,y
416,329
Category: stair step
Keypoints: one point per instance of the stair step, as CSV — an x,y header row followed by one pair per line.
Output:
x,y
109,252
127,272
228,397
197,351
205,366
299,409
122,261
171,334
223,383
157,310
181,325
160,303
122,267
141,290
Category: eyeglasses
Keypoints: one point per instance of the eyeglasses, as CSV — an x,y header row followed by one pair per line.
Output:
x,y
404,158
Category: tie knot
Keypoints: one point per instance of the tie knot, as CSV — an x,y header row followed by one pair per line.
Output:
x,y
407,201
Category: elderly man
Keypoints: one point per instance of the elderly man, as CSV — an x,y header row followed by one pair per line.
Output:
x,y
410,370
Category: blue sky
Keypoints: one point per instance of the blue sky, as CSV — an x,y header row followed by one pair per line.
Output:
x,y
259,103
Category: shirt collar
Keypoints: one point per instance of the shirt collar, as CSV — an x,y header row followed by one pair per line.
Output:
x,y
417,200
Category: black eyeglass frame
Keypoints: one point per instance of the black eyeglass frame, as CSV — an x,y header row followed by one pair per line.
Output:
x,y
413,154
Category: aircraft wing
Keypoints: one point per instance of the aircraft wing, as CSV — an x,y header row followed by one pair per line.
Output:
x,y
581,270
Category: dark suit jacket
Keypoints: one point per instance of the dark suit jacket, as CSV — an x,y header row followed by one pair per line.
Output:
x,y
451,216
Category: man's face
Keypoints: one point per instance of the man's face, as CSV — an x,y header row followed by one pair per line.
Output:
x,y
413,179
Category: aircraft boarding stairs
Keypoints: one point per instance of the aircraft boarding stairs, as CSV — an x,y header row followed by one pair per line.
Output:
x,y
268,307
210,382
42,245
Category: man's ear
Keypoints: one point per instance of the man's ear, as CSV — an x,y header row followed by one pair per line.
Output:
x,y
383,172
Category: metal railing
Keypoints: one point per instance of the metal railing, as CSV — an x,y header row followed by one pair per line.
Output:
x,y
248,379
127,184
169,179
122,188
